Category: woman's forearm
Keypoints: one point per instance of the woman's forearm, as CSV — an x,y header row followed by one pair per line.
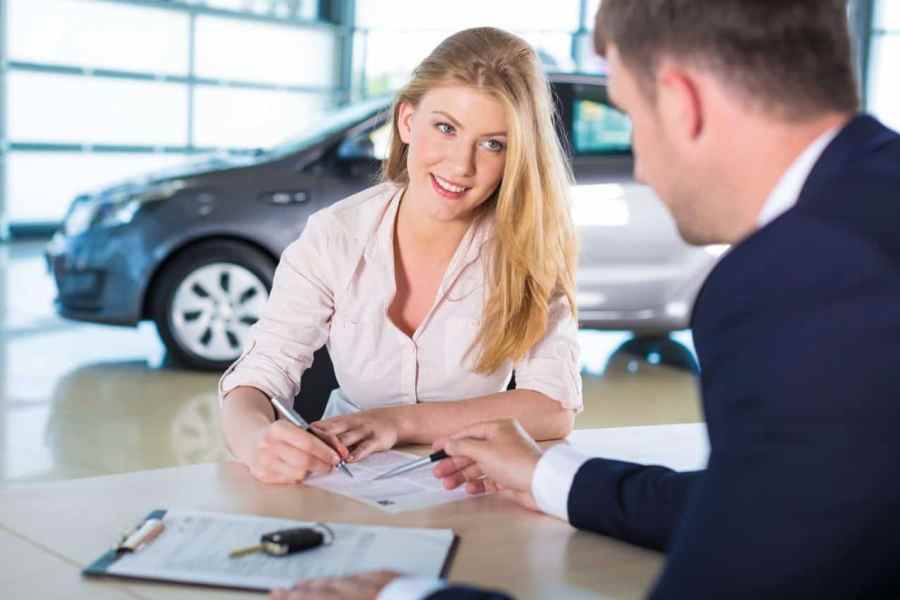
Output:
x,y
543,417
245,411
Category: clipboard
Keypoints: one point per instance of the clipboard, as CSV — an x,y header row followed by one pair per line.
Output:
x,y
192,547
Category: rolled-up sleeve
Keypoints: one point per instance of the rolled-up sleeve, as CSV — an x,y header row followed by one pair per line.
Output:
x,y
551,366
295,321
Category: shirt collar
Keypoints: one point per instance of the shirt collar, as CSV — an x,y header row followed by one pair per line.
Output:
x,y
470,246
787,191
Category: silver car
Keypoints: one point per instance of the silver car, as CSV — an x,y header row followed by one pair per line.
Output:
x,y
194,249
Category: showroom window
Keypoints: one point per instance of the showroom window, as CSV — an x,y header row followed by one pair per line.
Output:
x,y
100,90
390,38
883,85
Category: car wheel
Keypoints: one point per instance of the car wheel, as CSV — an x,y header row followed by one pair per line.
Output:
x,y
207,299
659,349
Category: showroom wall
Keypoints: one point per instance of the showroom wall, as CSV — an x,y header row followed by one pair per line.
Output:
x,y
93,91
98,90
882,83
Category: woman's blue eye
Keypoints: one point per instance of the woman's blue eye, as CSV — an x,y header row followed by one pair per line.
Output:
x,y
445,128
495,146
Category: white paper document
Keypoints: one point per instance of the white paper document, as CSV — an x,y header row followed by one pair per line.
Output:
x,y
409,491
194,548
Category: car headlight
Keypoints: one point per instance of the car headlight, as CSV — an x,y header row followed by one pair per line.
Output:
x,y
111,211
121,212
80,215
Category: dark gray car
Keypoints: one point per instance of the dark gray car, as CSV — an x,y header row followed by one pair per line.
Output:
x,y
194,249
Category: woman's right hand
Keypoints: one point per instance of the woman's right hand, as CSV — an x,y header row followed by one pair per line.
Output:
x,y
284,453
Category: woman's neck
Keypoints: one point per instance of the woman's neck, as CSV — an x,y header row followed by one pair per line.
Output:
x,y
427,238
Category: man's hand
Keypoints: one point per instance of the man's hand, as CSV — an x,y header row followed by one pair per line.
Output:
x,y
364,432
491,456
358,587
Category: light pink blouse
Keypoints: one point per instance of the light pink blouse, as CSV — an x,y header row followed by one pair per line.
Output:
x,y
334,285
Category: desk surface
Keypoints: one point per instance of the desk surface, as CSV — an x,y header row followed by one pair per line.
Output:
x,y
48,532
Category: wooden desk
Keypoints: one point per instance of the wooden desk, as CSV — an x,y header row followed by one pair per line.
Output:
x,y
48,532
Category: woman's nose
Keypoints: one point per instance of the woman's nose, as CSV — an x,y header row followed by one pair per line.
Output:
x,y
463,159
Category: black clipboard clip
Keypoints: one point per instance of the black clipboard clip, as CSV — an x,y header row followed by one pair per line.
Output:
x,y
143,534
132,541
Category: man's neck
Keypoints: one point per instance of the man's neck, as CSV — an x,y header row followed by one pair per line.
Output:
x,y
770,148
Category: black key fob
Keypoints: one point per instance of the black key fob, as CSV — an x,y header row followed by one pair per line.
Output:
x,y
289,541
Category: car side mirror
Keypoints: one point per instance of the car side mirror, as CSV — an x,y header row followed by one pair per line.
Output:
x,y
356,148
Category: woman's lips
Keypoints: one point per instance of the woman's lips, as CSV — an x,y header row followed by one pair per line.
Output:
x,y
451,195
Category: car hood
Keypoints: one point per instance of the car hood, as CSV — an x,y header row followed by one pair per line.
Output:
x,y
202,167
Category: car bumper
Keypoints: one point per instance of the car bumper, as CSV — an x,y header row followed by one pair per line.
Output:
x,y
648,301
648,321
97,277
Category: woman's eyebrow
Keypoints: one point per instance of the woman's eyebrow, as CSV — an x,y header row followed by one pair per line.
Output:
x,y
459,125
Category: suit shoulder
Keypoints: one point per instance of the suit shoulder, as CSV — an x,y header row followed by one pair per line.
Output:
x,y
861,206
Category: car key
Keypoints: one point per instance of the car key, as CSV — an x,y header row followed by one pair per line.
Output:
x,y
284,542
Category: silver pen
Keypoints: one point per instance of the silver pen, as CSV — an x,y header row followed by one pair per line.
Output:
x,y
413,464
294,417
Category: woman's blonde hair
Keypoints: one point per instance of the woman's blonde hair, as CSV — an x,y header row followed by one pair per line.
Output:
x,y
534,250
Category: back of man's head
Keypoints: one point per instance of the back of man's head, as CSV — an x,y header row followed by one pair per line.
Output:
x,y
789,56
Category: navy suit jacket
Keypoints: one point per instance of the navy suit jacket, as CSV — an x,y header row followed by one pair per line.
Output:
x,y
797,330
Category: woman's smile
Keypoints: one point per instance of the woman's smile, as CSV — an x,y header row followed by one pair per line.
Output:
x,y
446,188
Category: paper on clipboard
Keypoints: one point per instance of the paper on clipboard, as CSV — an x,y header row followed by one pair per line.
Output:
x,y
194,548
409,491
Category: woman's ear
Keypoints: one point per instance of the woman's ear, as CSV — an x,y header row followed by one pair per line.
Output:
x,y
404,121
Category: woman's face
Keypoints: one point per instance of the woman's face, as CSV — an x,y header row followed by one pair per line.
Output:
x,y
457,150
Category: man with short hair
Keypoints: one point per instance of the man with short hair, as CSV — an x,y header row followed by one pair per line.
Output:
x,y
745,123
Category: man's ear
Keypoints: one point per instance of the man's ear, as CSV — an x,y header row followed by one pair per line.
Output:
x,y
404,121
680,101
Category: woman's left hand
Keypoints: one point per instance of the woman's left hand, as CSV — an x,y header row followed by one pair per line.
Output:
x,y
358,587
364,432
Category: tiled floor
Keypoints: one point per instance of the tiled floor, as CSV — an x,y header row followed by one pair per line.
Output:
x,y
78,400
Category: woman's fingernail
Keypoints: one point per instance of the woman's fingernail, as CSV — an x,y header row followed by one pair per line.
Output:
x,y
351,458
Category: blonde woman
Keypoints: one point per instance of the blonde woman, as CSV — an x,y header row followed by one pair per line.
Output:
x,y
431,288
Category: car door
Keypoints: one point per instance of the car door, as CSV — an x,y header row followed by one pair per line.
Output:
x,y
354,163
632,260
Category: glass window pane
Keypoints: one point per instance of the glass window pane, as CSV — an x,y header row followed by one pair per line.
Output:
x,y
245,51
390,56
284,9
588,59
884,87
554,49
240,118
887,15
41,185
599,129
74,109
506,14
592,7
99,35
373,143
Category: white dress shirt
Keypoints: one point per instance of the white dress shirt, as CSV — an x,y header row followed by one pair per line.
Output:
x,y
556,470
334,286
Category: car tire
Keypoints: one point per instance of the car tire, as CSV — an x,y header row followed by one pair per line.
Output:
x,y
659,349
206,299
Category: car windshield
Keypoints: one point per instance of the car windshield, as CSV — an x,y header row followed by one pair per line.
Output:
x,y
328,124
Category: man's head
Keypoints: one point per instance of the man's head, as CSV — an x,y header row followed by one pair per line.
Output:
x,y
701,79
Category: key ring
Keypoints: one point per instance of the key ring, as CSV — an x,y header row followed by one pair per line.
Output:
x,y
330,537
